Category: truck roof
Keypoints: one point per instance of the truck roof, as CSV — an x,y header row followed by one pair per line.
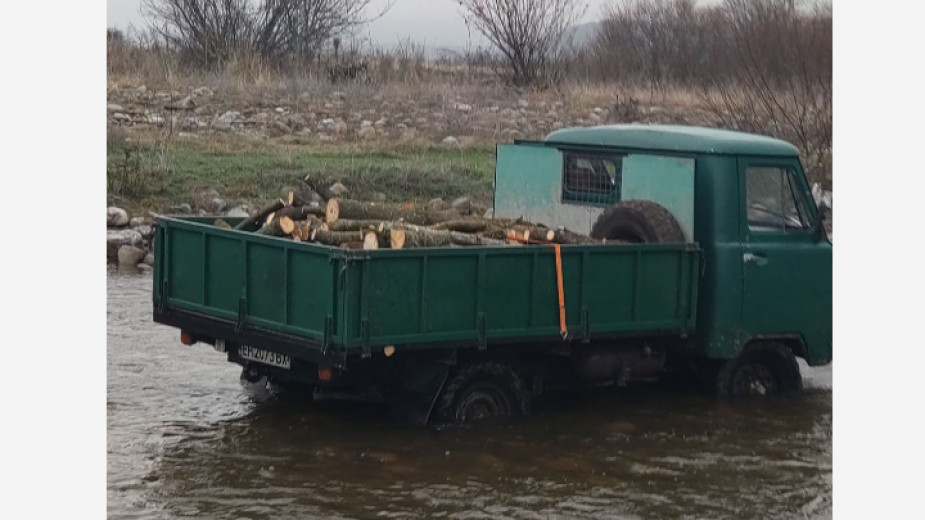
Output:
x,y
674,138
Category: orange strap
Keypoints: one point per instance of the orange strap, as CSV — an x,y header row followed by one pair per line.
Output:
x,y
563,329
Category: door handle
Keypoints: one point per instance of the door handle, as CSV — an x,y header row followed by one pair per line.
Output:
x,y
755,258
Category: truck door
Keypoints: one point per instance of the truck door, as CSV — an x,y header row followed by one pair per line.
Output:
x,y
787,271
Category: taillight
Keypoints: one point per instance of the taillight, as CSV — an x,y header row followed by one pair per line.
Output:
x,y
186,338
324,373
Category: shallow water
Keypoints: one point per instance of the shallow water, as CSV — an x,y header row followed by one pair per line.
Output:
x,y
184,440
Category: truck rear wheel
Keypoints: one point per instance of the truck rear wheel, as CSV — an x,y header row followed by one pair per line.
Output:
x,y
638,221
763,369
481,391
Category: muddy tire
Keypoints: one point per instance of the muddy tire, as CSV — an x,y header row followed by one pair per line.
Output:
x,y
765,369
481,391
639,222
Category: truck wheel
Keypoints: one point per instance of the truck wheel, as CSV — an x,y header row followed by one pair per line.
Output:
x,y
254,384
481,391
637,221
763,369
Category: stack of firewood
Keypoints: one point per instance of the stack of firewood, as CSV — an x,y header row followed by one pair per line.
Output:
x,y
354,224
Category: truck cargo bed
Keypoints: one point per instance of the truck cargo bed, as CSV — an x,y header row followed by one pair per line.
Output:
x,y
310,300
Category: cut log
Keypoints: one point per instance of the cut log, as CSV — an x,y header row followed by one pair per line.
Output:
x,y
370,240
564,236
301,212
419,236
355,244
353,209
355,225
336,238
396,238
278,227
254,222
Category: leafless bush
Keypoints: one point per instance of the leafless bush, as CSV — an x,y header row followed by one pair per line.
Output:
x,y
528,33
778,75
211,32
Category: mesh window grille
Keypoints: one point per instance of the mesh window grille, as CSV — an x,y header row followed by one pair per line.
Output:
x,y
592,178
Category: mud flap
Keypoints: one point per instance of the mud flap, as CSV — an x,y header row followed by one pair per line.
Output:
x,y
422,385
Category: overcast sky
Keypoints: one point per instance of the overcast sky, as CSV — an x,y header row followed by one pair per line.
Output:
x,y
436,23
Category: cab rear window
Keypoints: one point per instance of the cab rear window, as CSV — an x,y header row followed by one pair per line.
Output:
x,y
591,178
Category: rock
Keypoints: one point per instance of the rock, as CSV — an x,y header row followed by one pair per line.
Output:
x,y
281,127
450,141
236,212
367,133
489,213
280,110
327,122
463,205
217,205
139,221
114,107
381,122
119,116
523,103
186,103
141,89
462,107
155,119
116,217
203,92
116,238
149,259
365,123
144,267
339,190
340,128
305,132
205,196
436,204
184,208
228,117
130,255
145,231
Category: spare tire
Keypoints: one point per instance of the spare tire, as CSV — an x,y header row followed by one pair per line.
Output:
x,y
639,222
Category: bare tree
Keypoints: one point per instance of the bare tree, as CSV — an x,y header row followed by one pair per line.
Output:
x,y
211,31
528,33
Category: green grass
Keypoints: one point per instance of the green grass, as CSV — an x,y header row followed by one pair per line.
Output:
x,y
153,176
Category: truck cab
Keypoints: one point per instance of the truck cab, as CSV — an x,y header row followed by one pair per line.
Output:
x,y
742,198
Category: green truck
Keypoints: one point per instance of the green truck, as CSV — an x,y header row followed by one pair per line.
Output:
x,y
718,262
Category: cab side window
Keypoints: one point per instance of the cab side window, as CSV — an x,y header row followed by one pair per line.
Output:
x,y
774,200
591,178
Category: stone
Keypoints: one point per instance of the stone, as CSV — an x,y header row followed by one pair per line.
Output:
x,y
144,268
228,117
116,217
450,141
155,119
180,208
436,204
237,212
462,107
149,259
186,103
368,133
340,128
217,205
381,122
206,195
365,123
489,213
114,107
463,205
145,231
119,116
281,127
203,92
281,110
523,103
339,190
327,121
139,221
116,238
130,255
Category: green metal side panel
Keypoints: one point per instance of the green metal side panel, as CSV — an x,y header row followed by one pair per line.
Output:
x,y
476,295
421,296
272,283
668,181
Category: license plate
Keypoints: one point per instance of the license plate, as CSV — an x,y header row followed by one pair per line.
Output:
x,y
265,356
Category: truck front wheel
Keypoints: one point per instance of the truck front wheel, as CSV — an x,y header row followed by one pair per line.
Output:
x,y
480,391
762,369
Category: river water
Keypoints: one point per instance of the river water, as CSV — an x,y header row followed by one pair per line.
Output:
x,y
184,440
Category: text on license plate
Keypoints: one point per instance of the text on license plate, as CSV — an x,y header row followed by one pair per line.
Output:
x,y
265,356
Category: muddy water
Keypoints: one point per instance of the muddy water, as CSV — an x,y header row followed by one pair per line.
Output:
x,y
184,440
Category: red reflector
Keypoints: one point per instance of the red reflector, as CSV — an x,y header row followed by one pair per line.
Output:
x,y
324,373
186,338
